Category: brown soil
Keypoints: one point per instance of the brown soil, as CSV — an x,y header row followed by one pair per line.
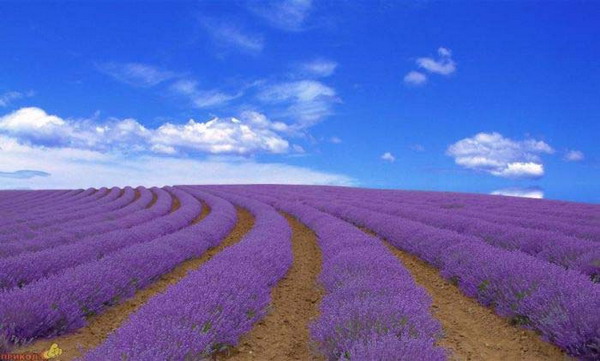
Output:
x,y
175,204
137,196
205,211
473,331
100,326
283,334
154,199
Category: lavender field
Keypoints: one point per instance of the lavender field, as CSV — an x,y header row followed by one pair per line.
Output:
x,y
270,272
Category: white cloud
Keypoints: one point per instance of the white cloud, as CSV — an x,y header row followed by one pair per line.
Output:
x,y
289,15
531,192
232,36
335,140
307,101
202,98
7,98
27,120
251,133
388,157
503,157
444,65
76,168
319,67
217,136
136,74
415,78
574,156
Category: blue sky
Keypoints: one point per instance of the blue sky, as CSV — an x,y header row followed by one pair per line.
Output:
x,y
486,97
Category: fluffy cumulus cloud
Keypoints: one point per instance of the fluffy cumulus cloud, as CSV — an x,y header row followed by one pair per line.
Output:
x,y
218,136
307,101
503,157
69,153
251,133
388,157
415,78
319,67
77,168
573,156
443,65
288,15
136,74
529,192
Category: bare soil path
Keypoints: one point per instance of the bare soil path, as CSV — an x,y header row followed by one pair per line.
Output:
x,y
283,334
473,332
100,326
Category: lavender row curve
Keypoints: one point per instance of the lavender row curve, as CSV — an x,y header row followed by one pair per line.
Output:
x,y
25,268
577,214
569,252
17,199
160,208
100,205
78,229
61,303
66,206
24,218
15,215
373,309
30,199
561,211
85,210
534,219
560,304
57,222
212,306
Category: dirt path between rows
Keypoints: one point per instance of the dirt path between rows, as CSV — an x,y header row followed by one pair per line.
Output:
x,y
154,199
283,334
176,203
205,211
99,327
472,331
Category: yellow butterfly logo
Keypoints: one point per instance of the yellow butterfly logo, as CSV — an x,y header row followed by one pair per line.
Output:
x,y
53,352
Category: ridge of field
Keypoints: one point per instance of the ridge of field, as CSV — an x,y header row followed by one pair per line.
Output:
x,y
75,345
325,273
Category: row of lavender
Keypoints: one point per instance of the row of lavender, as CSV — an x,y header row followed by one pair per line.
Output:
x,y
560,210
62,302
560,304
77,202
569,252
487,208
15,202
214,305
74,231
61,220
40,199
137,227
373,310
531,216
10,199
70,214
